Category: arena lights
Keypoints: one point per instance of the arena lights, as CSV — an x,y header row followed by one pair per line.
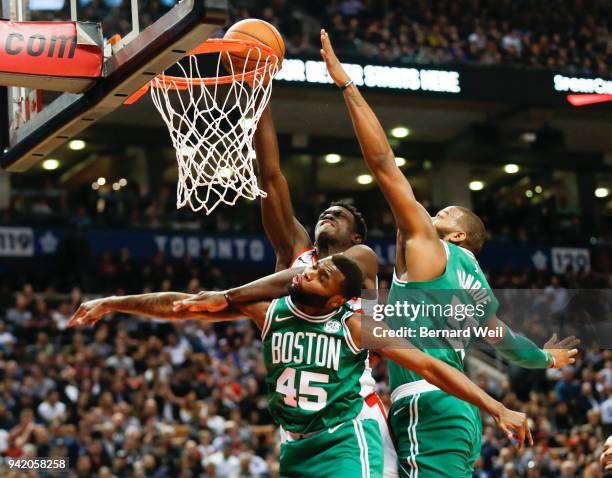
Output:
x,y
529,193
399,161
476,185
374,76
333,158
77,144
364,179
511,168
116,187
123,182
602,192
529,137
50,164
101,181
538,189
95,186
400,132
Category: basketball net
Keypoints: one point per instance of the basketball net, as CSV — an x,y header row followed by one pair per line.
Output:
x,y
212,122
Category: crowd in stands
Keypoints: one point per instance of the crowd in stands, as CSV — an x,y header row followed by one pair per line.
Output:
x,y
145,398
574,36
515,219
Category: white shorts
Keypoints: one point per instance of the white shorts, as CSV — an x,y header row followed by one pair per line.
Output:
x,y
373,408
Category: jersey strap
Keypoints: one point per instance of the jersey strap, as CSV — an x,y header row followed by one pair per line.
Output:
x,y
347,334
269,318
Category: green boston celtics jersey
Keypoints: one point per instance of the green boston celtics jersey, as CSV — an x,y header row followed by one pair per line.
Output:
x,y
443,316
314,367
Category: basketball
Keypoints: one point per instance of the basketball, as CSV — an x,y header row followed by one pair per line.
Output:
x,y
253,29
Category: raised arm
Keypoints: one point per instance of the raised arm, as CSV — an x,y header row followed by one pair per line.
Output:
x,y
363,331
412,219
284,231
408,212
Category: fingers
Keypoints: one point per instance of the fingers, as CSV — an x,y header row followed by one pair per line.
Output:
x,y
83,317
551,342
568,342
507,431
199,307
193,305
521,432
75,319
529,436
180,305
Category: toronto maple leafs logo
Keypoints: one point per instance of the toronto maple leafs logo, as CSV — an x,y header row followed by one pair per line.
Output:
x,y
48,243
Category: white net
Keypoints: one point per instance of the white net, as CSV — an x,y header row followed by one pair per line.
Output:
x,y
212,123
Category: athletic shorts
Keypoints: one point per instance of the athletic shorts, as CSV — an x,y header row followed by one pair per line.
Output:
x,y
351,449
373,408
436,434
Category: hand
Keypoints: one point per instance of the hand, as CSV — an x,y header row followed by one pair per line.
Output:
x,y
562,351
90,312
334,67
514,425
205,301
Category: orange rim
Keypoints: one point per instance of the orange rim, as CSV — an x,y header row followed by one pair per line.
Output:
x,y
209,46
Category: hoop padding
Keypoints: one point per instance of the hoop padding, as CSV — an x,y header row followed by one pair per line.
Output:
x,y
212,121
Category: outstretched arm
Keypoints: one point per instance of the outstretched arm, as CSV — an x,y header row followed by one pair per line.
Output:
x,y
273,286
412,219
521,351
160,306
284,231
269,287
439,374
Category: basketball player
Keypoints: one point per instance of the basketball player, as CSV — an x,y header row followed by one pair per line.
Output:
x,y
437,435
314,360
340,229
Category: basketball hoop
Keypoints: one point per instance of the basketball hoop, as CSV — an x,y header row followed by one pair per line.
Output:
x,y
212,120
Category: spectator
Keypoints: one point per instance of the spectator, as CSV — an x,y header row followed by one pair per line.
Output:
x,y
606,458
52,408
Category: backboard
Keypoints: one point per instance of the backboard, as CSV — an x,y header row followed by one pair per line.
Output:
x,y
32,134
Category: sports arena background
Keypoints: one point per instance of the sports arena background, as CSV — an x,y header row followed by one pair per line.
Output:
x,y
133,397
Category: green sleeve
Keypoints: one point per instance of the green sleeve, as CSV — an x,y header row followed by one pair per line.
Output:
x,y
521,351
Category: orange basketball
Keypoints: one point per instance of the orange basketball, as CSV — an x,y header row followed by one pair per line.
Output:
x,y
255,30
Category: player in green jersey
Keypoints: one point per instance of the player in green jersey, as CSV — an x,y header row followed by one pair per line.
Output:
x,y
437,435
315,360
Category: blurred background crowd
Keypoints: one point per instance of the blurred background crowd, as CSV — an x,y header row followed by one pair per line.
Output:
x,y
144,398
139,397
574,36
517,218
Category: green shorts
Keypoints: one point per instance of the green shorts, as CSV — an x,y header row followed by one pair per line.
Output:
x,y
352,449
436,434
